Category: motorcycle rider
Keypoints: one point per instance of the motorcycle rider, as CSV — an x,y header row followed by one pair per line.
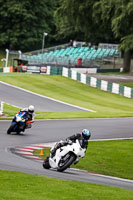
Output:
x,y
29,112
82,138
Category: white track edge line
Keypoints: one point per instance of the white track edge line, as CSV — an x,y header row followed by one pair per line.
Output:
x,y
112,177
47,97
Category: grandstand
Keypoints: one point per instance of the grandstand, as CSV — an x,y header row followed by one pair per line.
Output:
x,y
64,55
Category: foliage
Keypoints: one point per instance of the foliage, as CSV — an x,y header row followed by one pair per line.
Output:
x,y
78,17
23,23
119,15
2,55
97,21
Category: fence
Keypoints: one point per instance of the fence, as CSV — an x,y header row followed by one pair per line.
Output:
x,y
101,84
92,81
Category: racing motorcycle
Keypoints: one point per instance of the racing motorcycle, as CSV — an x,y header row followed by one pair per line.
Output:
x,y
20,120
64,156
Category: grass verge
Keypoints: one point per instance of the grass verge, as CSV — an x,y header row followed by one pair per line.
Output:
x,y
112,158
8,111
128,84
104,103
20,186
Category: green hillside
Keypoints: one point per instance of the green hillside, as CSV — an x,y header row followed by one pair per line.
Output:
x,y
103,103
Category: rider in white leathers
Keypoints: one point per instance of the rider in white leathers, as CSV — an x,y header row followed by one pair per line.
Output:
x,y
83,140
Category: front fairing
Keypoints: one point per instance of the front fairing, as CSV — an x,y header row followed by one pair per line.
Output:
x,y
75,148
19,119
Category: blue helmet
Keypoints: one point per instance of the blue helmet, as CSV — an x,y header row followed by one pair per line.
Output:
x,y
86,134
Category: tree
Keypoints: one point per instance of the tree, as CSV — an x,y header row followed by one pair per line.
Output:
x,y
98,20
76,19
122,26
119,14
22,23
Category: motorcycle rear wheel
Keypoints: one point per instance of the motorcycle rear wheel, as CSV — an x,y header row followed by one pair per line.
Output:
x,y
10,129
67,164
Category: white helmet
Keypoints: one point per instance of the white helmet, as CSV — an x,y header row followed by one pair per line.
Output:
x,y
31,108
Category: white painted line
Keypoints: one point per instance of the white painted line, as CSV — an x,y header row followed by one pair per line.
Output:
x,y
130,138
112,177
23,152
33,157
23,149
84,119
47,97
12,105
46,144
30,148
53,143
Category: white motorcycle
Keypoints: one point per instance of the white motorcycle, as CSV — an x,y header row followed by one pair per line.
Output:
x,y
65,156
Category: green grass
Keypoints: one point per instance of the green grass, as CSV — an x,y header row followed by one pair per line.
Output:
x,y
129,84
110,158
8,111
21,186
115,73
104,103
113,158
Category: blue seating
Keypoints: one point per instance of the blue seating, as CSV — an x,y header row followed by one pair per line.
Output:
x,y
71,54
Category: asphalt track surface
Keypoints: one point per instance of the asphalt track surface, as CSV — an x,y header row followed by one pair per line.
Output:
x,y
114,78
22,98
46,131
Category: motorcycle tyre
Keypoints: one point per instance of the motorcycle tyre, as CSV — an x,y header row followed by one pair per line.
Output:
x,y
46,163
67,165
10,129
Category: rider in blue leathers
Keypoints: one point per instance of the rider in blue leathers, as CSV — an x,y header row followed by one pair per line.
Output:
x,y
29,112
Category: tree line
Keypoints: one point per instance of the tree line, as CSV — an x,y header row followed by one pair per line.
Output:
x,y
22,23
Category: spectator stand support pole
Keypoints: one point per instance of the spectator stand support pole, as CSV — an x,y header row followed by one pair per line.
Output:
x,y
20,54
7,55
43,41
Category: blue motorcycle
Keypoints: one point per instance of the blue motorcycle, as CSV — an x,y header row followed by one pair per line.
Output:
x,y
19,123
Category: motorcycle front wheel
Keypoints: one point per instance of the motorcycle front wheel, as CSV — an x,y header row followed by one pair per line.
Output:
x,y
65,163
10,128
46,163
